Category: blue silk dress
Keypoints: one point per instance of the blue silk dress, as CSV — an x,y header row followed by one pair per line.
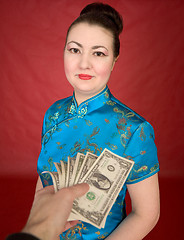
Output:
x,y
100,122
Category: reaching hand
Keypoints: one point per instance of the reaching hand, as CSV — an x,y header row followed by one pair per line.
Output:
x,y
50,211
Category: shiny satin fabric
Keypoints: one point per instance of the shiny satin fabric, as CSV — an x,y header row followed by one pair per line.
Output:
x,y
100,122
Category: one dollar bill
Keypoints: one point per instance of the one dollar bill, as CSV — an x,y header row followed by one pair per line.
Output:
x,y
105,175
105,178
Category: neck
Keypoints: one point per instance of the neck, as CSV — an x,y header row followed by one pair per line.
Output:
x,y
81,97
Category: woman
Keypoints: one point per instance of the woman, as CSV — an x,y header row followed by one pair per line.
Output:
x,y
92,119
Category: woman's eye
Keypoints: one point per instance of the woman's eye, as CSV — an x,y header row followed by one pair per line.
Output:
x,y
99,54
74,50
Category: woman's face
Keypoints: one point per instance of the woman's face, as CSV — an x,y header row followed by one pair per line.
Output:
x,y
88,58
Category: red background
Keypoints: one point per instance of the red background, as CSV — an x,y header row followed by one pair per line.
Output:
x,y
148,77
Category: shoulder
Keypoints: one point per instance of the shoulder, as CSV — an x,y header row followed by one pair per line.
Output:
x,y
56,113
59,106
127,116
125,110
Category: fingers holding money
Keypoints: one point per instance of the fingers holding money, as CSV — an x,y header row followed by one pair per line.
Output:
x,y
75,191
105,174
51,210
64,201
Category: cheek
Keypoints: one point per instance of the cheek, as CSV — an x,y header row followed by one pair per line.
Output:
x,y
104,70
68,72
68,66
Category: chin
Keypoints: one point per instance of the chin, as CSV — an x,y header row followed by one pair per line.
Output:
x,y
85,88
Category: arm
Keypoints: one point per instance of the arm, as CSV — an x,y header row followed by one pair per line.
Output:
x,y
50,211
145,211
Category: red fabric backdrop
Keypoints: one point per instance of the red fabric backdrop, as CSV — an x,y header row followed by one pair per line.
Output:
x,y
148,76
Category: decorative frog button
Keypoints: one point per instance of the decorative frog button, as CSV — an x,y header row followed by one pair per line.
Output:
x,y
72,109
82,112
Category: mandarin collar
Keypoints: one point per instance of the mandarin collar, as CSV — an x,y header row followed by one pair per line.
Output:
x,y
90,104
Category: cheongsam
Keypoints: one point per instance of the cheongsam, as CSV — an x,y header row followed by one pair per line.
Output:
x,y
97,123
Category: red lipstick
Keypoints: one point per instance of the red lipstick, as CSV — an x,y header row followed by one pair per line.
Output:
x,y
85,76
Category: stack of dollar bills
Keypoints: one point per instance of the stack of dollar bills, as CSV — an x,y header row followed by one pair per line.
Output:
x,y
105,175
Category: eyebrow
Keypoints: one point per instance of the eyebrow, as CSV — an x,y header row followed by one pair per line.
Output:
x,y
80,45
94,47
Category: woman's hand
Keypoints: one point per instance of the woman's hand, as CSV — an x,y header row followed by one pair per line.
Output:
x,y
145,213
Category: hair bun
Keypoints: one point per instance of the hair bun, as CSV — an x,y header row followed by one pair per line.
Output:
x,y
105,9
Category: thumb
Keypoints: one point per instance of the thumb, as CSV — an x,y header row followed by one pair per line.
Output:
x,y
79,189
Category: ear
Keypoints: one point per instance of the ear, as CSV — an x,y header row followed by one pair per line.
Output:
x,y
115,60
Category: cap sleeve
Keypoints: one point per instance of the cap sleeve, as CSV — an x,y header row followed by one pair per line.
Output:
x,y
142,150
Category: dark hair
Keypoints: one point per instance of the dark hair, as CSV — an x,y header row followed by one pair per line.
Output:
x,y
105,16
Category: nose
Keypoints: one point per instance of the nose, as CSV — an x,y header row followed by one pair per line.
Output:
x,y
85,62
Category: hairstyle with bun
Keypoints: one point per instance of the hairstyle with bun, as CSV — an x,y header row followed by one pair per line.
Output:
x,y
105,16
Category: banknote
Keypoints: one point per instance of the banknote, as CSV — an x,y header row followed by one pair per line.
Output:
x,y
105,178
61,174
55,179
78,164
70,168
64,171
105,175
89,160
